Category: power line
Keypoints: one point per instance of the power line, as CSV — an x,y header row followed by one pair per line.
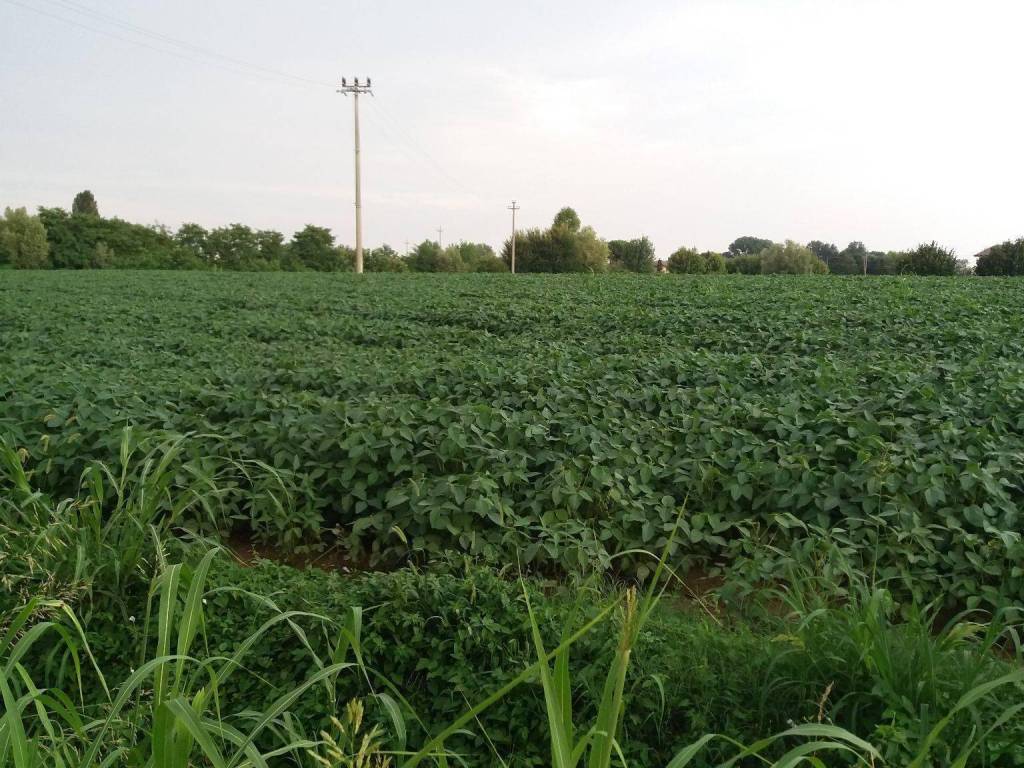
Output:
x,y
85,10
396,125
263,72
197,54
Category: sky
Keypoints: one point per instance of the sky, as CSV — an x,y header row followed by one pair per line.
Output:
x,y
692,122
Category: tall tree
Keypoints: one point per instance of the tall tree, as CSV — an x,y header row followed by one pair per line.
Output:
x,y
1006,258
233,247
827,252
851,260
271,247
931,259
191,238
313,247
748,245
567,218
23,240
428,256
85,203
565,247
635,255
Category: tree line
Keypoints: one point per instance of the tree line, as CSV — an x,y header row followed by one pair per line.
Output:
x,y
755,256
83,239
54,238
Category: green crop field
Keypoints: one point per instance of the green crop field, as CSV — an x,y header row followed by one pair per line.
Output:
x,y
849,449
555,420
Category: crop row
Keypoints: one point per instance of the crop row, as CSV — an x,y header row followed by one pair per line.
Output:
x,y
558,421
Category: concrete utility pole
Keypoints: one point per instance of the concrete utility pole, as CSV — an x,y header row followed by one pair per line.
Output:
x,y
439,231
513,208
355,89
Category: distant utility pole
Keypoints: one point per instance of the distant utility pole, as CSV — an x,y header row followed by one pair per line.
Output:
x,y
355,89
513,208
439,231
407,248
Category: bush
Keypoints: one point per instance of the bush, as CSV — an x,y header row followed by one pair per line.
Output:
x,y
749,264
790,259
384,259
714,263
447,639
686,261
429,257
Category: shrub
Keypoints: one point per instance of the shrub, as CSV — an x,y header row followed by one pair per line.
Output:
x,y
790,259
429,257
714,263
687,261
749,264
384,259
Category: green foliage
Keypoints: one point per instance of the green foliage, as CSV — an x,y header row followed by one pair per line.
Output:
x,y
1004,259
827,252
890,263
474,257
931,259
565,247
429,257
561,423
23,242
167,712
448,640
714,263
271,644
383,259
748,246
74,239
849,261
85,203
790,259
568,219
193,249
687,261
632,255
313,248
233,247
744,265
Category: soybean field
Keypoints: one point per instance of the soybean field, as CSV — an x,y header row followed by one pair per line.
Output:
x,y
555,422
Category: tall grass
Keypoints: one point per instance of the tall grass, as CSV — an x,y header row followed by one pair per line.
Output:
x,y
945,695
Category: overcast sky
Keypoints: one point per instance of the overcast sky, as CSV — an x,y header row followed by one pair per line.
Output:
x,y
889,122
